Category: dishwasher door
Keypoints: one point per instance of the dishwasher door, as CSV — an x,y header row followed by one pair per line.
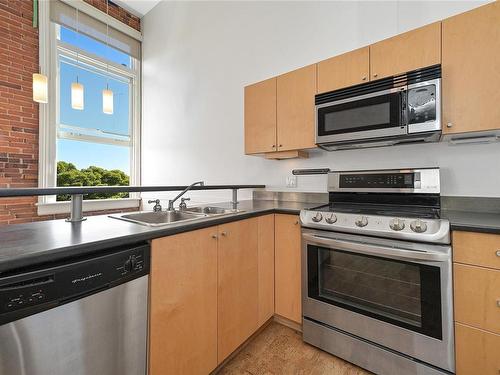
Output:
x,y
102,334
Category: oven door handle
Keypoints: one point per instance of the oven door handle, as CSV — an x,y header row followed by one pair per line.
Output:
x,y
377,250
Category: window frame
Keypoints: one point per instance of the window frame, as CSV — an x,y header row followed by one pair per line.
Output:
x,y
50,48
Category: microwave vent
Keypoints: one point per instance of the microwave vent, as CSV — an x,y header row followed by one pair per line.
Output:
x,y
420,75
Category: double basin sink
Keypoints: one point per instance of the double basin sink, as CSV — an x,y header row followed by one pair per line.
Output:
x,y
161,218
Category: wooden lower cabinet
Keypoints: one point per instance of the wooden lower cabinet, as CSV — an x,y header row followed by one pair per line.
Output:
x,y
477,351
479,249
183,303
477,297
210,290
245,282
288,297
266,268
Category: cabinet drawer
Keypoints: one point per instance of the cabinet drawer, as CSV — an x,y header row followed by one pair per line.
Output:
x,y
476,351
477,297
479,249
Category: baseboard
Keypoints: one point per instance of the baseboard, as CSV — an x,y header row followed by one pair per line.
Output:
x,y
288,323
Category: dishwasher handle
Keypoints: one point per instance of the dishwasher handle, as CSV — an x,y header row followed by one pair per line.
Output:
x,y
377,250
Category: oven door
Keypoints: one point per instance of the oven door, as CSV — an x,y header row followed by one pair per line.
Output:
x,y
375,115
393,293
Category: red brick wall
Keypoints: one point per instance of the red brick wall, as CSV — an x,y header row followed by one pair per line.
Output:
x,y
18,112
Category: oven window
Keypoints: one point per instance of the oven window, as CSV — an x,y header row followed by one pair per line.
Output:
x,y
366,114
402,293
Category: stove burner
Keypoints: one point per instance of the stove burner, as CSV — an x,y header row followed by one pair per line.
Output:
x,y
382,210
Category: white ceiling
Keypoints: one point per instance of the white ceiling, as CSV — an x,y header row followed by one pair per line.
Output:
x,y
137,7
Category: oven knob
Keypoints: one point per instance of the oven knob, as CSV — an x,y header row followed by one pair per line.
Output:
x,y
317,218
418,226
331,219
397,224
361,221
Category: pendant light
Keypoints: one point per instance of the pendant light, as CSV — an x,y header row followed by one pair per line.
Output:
x,y
40,88
40,81
107,94
76,87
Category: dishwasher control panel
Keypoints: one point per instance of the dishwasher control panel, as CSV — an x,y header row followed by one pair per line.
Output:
x,y
32,289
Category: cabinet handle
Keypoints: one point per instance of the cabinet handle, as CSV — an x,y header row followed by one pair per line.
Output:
x,y
214,236
375,75
498,302
273,146
363,79
449,125
296,222
497,253
280,145
223,234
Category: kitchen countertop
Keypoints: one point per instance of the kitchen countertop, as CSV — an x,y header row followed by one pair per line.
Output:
x,y
23,245
486,222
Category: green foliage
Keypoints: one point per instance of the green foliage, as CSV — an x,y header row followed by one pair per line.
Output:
x,y
69,175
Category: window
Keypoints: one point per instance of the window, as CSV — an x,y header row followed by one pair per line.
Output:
x,y
88,147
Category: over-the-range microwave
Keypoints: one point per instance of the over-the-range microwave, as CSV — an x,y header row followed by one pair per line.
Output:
x,y
399,109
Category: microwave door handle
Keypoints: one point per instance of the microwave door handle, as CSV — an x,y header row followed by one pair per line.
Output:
x,y
377,250
404,108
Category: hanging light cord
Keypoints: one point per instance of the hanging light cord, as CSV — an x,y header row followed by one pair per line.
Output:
x,y
107,44
77,47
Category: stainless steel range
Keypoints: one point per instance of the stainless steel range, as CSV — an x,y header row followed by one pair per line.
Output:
x,y
377,272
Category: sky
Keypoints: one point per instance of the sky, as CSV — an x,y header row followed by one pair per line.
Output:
x,y
85,154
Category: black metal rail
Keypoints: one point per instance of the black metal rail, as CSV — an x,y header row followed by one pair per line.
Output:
x,y
26,192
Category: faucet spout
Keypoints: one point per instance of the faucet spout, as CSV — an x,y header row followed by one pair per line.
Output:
x,y
172,201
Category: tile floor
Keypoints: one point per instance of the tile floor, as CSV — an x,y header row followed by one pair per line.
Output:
x,y
280,350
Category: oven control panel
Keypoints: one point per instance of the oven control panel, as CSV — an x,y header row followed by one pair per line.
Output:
x,y
421,230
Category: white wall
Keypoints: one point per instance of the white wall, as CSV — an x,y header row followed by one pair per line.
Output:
x,y
198,56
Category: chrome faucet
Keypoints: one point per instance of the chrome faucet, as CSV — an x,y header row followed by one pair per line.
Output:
x,y
172,201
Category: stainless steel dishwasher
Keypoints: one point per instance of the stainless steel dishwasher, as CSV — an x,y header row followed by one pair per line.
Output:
x,y
84,316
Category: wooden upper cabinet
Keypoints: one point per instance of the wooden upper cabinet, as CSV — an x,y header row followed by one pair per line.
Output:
x,y
266,268
260,117
238,286
345,70
405,52
183,304
295,109
471,73
288,296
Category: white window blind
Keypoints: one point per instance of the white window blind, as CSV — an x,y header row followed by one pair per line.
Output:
x,y
65,15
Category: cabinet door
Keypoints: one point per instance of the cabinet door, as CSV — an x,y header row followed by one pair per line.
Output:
x,y
471,74
260,117
345,70
183,303
477,351
477,297
266,268
237,284
405,52
288,299
295,111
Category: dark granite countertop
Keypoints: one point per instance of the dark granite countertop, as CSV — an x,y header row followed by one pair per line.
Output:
x,y
23,245
487,222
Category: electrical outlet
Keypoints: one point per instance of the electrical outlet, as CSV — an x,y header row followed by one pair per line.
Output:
x,y
291,181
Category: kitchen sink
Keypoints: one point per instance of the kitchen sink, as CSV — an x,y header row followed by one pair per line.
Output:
x,y
161,218
155,219
210,210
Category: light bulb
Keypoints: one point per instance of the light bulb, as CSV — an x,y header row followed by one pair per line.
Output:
x,y
107,101
77,96
40,88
